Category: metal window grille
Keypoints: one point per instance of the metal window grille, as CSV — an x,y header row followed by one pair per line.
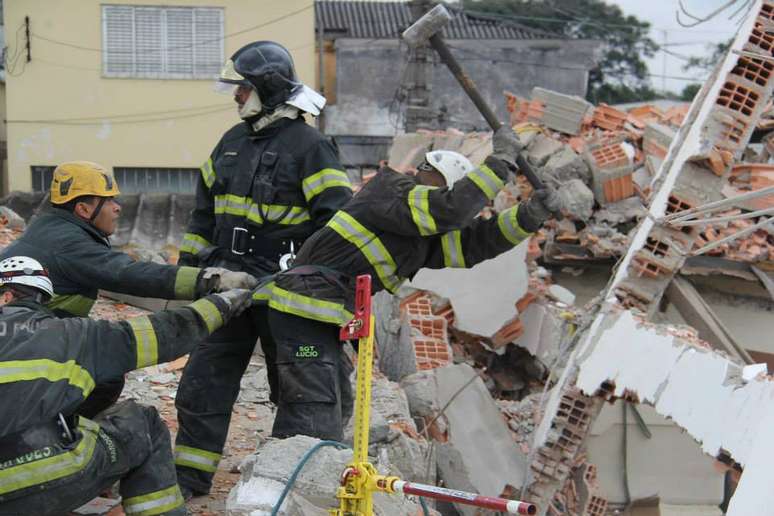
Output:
x,y
167,180
41,177
162,42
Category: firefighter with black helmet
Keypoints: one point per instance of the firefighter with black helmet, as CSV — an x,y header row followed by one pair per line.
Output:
x,y
270,182
53,461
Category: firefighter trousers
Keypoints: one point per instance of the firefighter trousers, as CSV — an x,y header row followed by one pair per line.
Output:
x,y
314,392
207,392
131,445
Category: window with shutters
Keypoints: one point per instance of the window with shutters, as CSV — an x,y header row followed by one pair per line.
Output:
x,y
142,179
41,177
162,42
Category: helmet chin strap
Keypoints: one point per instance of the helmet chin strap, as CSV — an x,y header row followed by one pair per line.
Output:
x,y
98,209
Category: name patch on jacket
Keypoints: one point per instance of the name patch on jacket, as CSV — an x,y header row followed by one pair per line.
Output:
x,y
307,352
42,453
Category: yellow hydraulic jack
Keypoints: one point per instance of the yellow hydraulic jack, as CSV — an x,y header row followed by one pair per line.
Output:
x,y
360,480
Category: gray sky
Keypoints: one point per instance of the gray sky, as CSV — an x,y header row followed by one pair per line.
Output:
x,y
680,40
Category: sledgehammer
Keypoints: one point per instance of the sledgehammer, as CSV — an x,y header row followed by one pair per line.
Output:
x,y
428,28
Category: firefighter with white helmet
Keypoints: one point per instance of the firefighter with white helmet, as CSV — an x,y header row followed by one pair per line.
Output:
x,y
52,460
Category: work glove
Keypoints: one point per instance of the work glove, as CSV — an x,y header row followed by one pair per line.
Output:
x,y
218,279
506,144
188,260
237,299
537,209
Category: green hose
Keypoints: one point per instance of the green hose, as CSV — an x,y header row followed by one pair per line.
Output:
x,y
299,466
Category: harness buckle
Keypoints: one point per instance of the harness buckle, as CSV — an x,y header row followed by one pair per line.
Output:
x,y
239,240
65,428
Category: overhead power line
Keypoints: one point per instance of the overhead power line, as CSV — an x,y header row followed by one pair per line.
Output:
x,y
181,47
75,121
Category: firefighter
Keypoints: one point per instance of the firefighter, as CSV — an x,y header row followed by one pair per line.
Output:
x,y
394,226
70,239
270,182
52,461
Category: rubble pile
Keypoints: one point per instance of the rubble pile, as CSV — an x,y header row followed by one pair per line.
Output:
x,y
603,162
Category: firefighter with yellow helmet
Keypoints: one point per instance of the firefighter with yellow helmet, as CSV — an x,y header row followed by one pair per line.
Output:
x,y
71,239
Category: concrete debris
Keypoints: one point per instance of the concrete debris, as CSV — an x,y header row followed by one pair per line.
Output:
x,y
542,149
560,112
577,199
265,473
479,455
483,296
566,165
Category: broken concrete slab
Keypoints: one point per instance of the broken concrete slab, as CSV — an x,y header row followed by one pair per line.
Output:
x,y
563,113
542,148
577,199
265,473
393,337
480,455
565,165
408,150
542,332
483,296
622,211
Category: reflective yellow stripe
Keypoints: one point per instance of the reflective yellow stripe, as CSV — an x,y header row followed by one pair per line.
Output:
x,y
419,202
157,502
197,459
208,173
451,243
276,213
46,369
52,468
185,282
193,243
322,180
369,244
509,226
147,343
209,313
309,307
263,293
485,178
75,304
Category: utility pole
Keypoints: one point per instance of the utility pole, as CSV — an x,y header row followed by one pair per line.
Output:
x,y
419,112
664,62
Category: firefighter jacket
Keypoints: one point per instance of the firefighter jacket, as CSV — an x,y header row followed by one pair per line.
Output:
x,y
391,229
80,261
48,366
261,190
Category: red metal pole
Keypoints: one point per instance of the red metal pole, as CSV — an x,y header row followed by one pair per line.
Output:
x,y
450,495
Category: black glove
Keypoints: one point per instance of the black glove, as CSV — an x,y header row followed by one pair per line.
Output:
x,y
188,260
499,167
218,279
533,212
506,145
238,300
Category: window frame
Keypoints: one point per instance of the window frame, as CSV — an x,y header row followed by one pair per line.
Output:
x,y
163,74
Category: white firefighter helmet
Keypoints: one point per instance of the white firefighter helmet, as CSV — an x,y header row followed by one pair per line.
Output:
x,y
22,270
452,165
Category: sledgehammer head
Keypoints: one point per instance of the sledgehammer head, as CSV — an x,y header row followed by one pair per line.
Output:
x,y
422,29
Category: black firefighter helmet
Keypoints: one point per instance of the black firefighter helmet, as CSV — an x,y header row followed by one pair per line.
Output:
x,y
266,66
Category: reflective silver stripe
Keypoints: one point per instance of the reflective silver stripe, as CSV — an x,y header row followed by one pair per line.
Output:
x,y
509,226
209,313
369,244
231,204
147,343
193,243
322,180
45,369
195,458
208,173
485,178
308,307
157,502
419,202
451,243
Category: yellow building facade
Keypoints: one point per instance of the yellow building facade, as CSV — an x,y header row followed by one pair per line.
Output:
x,y
130,84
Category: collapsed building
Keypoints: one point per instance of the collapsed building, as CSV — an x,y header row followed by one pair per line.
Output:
x,y
502,381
